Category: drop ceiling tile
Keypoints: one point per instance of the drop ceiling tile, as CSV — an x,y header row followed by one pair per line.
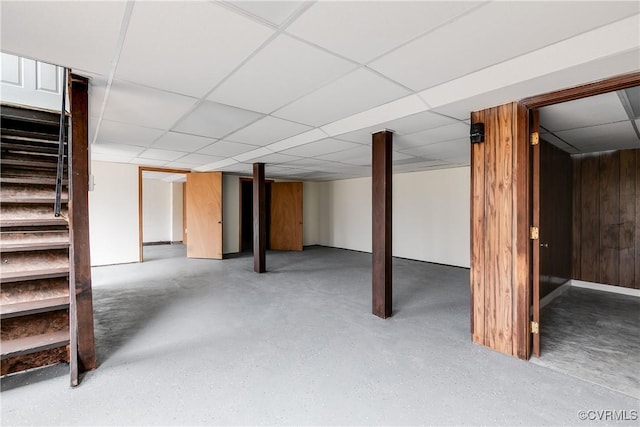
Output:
x,y
432,136
364,30
147,162
267,130
297,140
319,148
242,168
182,142
602,138
554,140
50,32
110,157
157,154
353,93
179,165
97,91
358,154
198,159
111,131
117,149
216,165
188,46
281,72
253,154
275,158
215,120
309,163
226,149
276,12
142,106
591,111
440,150
428,61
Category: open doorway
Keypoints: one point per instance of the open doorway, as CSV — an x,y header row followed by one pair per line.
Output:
x,y
586,203
161,210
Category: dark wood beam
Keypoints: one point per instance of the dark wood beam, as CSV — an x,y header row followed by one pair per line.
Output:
x,y
259,219
381,239
79,254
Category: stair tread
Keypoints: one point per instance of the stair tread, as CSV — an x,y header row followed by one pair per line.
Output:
x,y
18,276
29,163
32,200
33,344
33,307
30,222
32,246
30,180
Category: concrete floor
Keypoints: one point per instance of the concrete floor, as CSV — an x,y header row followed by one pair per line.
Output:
x,y
199,342
594,336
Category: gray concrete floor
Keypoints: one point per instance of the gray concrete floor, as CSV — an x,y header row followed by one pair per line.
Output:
x,y
200,342
594,336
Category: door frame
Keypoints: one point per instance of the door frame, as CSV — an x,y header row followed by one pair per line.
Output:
x,y
532,104
140,223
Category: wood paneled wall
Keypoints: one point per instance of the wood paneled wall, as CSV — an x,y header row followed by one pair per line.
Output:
x,y
606,232
556,181
500,231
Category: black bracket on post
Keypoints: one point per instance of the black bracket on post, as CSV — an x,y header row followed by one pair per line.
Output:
x,y
477,133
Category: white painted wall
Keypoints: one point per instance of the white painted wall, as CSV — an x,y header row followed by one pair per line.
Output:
x,y
176,211
113,213
230,213
310,212
156,211
430,215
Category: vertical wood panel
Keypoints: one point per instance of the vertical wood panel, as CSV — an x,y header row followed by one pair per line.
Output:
x,y
477,236
381,224
590,225
79,252
577,219
609,193
628,172
500,222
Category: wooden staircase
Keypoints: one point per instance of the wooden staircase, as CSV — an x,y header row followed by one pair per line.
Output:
x,y
34,269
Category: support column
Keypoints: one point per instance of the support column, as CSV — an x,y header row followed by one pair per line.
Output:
x,y
79,254
259,219
381,238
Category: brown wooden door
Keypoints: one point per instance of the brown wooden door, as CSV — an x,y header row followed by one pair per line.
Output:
x,y
535,219
286,216
204,215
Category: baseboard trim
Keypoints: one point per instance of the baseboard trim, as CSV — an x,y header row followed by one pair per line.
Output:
x,y
555,293
606,288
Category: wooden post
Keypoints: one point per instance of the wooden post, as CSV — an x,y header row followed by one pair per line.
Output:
x,y
259,219
381,240
79,253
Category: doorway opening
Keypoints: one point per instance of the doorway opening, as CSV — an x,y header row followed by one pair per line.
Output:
x,y
246,213
161,210
585,179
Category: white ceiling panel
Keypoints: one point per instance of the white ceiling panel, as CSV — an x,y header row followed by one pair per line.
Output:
x,y
281,72
226,149
182,142
253,154
603,137
198,159
357,154
276,12
432,136
179,165
194,45
365,30
355,92
215,120
308,163
441,150
147,162
125,133
319,148
300,139
445,53
595,110
117,149
267,130
275,158
157,154
242,168
79,35
144,106
97,91
111,157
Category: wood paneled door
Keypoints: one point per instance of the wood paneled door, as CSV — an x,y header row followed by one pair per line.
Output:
x,y
204,215
286,216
